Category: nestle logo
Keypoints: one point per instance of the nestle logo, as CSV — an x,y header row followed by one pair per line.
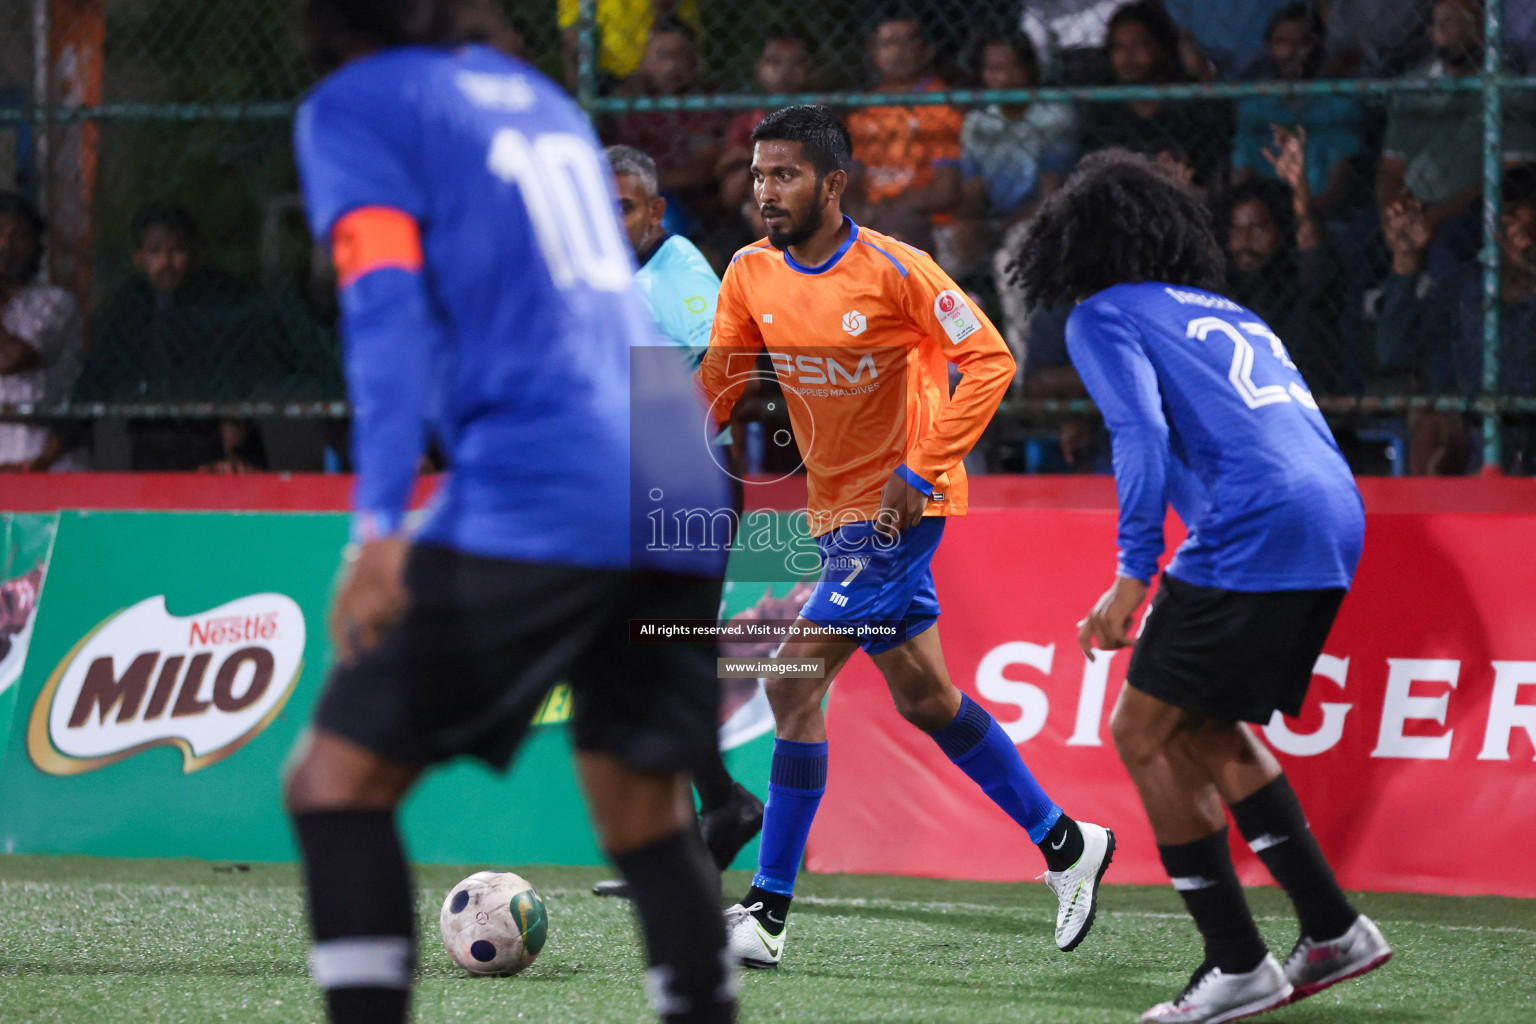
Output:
x,y
206,684
233,629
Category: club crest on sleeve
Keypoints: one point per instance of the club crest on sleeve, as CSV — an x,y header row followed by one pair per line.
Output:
x,y
955,315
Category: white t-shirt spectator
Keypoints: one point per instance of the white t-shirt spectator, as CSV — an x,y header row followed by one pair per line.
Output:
x,y
48,319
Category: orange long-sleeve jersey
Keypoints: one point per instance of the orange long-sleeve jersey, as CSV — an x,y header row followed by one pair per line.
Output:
x,y
859,345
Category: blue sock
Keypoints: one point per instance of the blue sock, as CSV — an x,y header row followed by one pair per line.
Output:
x,y
796,782
979,747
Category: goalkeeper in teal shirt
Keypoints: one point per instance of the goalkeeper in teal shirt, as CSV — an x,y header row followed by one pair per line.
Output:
x,y
679,287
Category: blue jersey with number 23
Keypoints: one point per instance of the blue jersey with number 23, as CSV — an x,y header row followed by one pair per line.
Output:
x,y
1208,413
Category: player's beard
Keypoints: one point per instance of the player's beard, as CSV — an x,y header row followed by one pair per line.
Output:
x,y
798,230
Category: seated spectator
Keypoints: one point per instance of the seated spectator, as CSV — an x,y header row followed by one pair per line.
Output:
x,y
1082,443
41,342
1375,38
1281,265
783,68
1070,35
907,158
1047,369
623,30
684,143
1293,52
1010,157
179,330
1142,46
1433,150
1222,33
1431,324
1435,322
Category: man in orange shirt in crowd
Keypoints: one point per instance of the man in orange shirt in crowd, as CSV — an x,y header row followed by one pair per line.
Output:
x,y
908,157
860,328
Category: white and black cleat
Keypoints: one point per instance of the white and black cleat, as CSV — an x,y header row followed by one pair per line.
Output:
x,y
1077,888
748,942
1313,966
1213,996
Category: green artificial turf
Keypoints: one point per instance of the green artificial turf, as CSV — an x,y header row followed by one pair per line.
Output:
x,y
97,941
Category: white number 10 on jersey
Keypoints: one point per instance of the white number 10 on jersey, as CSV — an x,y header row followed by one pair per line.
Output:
x,y
1241,373
567,199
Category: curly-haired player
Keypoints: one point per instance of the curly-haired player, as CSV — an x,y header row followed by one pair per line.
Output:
x,y
1208,412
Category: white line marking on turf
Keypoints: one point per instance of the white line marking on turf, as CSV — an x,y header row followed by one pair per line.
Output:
x,y
200,891
878,904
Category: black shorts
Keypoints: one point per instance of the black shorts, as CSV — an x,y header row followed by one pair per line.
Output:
x,y
1232,655
486,638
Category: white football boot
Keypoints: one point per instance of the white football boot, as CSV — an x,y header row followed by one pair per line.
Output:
x,y
1313,966
1214,996
1077,888
748,942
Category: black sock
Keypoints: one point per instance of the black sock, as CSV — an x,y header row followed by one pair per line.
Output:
x,y
1272,822
774,911
677,894
1062,845
361,910
714,783
1202,873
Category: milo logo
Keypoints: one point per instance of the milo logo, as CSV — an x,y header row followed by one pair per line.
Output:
x,y
206,684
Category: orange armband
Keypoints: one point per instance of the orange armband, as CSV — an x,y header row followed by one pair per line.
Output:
x,y
374,238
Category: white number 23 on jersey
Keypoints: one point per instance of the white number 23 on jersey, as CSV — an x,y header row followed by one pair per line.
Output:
x,y
1241,373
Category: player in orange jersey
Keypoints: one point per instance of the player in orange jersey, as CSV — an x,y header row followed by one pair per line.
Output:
x,y
860,328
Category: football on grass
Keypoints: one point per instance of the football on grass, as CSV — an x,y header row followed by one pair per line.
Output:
x,y
493,923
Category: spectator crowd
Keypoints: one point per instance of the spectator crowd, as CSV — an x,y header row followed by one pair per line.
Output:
x,y
1352,225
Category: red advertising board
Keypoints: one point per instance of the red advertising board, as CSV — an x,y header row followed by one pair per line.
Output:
x,y
1418,732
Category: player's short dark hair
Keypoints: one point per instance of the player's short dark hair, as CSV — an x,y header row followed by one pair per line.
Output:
x,y
1298,11
1519,186
169,215
1274,196
1152,16
1119,219
822,135
631,161
379,22
14,204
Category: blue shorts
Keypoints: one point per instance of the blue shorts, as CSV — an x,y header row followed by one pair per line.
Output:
x,y
878,589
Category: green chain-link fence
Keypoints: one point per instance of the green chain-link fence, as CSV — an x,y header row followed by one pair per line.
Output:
x,y
151,131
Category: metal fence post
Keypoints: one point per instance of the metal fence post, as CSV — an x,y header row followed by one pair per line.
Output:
x,y
586,54
1493,178
41,105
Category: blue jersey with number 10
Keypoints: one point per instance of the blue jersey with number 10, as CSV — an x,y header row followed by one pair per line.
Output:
x,y
1208,412
527,379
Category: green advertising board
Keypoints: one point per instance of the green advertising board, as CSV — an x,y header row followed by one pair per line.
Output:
x,y
172,663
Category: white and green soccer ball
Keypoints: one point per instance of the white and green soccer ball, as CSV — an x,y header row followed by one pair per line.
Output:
x,y
493,923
